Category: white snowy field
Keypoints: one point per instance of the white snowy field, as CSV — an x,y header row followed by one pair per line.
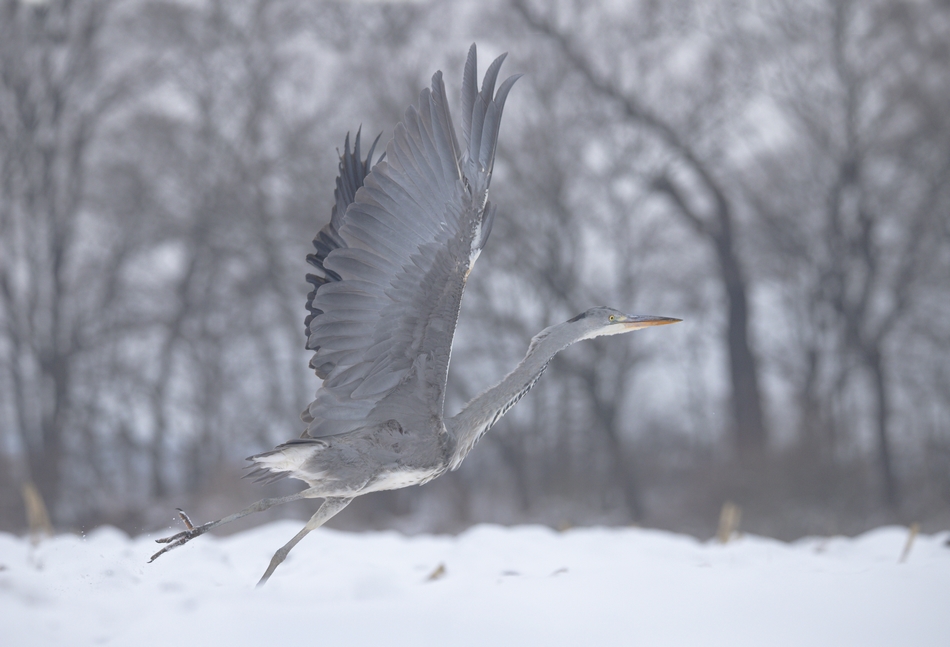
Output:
x,y
500,586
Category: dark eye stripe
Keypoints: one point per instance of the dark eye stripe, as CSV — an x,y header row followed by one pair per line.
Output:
x,y
577,318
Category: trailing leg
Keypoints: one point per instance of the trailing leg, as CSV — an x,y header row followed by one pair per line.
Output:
x,y
329,508
193,531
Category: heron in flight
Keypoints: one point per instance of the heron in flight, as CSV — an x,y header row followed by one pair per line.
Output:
x,y
391,266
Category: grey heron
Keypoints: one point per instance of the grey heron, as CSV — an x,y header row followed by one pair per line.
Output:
x,y
391,266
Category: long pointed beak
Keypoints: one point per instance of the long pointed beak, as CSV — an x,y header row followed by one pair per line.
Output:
x,y
636,322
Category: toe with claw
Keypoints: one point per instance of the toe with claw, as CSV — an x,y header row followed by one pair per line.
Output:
x,y
180,538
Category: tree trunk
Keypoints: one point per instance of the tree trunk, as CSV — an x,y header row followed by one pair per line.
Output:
x,y
750,434
875,364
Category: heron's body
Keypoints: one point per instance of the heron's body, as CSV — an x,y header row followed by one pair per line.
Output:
x,y
385,456
390,270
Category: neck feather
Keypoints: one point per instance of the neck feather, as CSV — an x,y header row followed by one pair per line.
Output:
x,y
479,415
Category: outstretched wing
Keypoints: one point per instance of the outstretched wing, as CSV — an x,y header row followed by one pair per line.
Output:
x,y
384,324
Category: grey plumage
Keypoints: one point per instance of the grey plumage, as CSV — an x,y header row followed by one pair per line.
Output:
x,y
352,172
391,266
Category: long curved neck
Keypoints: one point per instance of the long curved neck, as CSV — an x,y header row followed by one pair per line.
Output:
x,y
482,412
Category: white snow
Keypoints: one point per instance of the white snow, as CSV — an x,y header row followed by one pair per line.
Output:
x,y
501,586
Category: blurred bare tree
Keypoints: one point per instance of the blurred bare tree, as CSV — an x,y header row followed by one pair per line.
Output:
x,y
856,198
773,172
60,261
693,176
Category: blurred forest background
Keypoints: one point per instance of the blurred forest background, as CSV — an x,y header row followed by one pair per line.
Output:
x,y
775,172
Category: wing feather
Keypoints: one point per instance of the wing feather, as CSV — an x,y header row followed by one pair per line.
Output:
x,y
395,261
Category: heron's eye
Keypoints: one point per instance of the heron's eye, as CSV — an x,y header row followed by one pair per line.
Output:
x,y
612,317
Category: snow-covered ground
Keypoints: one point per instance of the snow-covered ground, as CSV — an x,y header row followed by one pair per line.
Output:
x,y
499,586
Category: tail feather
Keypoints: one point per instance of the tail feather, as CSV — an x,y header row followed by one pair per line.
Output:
x,y
263,475
284,460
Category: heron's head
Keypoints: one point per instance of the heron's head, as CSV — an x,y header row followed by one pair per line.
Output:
x,y
601,321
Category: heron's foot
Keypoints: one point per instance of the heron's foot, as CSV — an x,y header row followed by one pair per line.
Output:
x,y
183,537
